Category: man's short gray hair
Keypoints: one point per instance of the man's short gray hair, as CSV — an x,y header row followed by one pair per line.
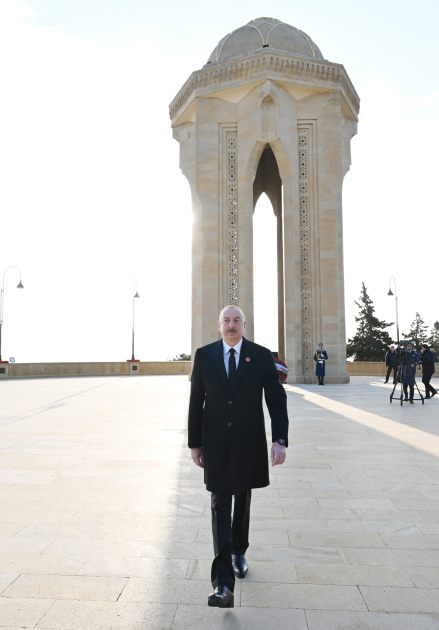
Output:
x,y
236,308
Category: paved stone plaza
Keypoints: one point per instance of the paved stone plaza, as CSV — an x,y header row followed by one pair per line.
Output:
x,y
105,523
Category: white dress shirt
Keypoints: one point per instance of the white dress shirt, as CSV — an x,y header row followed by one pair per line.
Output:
x,y
227,348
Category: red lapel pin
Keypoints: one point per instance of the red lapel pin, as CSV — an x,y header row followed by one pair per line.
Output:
x,y
248,359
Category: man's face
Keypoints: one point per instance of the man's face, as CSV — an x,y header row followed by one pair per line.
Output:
x,y
231,326
409,347
392,348
320,346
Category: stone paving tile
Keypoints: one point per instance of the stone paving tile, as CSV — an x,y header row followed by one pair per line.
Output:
x,y
284,572
307,596
134,567
170,591
405,515
93,547
282,524
22,612
328,620
277,553
352,575
316,494
324,513
174,550
35,563
6,579
185,534
424,577
44,530
410,600
357,504
427,527
282,502
379,527
73,615
411,541
11,529
66,587
201,618
335,539
393,557
24,545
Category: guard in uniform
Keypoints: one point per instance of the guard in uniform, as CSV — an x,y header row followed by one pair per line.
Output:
x,y
409,371
320,357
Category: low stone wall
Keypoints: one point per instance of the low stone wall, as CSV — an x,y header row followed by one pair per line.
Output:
x,y
366,368
28,370
146,368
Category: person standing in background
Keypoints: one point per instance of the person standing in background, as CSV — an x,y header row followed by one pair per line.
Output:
x,y
391,364
320,357
427,362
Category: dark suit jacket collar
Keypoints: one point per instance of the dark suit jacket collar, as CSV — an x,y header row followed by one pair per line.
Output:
x,y
219,363
245,361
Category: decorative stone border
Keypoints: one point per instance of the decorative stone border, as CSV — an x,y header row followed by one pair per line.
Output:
x,y
279,65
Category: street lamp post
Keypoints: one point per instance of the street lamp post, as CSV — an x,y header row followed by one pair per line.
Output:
x,y
396,302
2,303
136,295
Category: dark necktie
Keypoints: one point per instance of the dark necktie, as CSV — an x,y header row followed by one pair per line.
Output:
x,y
232,366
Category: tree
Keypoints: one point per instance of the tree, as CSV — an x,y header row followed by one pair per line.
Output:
x,y
433,340
182,357
371,341
417,333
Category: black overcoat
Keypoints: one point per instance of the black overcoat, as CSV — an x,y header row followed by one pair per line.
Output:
x,y
391,359
228,423
427,359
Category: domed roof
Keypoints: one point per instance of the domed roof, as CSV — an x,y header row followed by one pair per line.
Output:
x,y
264,33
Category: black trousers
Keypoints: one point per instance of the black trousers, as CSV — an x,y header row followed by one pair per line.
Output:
x,y
395,372
229,536
412,390
429,389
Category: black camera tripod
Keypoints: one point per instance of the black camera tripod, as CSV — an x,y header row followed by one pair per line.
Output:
x,y
400,378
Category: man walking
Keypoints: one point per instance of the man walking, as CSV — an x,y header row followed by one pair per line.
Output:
x,y
226,435
391,364
409,372
427,361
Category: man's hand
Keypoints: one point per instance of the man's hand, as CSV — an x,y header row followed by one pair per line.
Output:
x,y
278,454
197,456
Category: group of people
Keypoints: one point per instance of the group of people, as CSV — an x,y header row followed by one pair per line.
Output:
x,y
406,371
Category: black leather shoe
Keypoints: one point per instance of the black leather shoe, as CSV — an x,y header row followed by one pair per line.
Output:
x,y
240,566
406,399
411,402
433,394
221,598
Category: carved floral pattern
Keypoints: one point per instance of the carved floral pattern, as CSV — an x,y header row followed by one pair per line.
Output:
x,y
305,252
232,218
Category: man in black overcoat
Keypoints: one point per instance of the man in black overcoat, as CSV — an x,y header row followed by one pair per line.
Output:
x,y
226,434
391,364
427,361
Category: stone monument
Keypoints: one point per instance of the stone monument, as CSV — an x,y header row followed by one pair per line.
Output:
x,y
267,113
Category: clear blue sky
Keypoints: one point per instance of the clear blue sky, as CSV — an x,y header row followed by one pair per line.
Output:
x,y
91,194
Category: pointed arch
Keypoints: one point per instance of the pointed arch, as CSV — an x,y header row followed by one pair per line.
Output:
x,y
268,118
